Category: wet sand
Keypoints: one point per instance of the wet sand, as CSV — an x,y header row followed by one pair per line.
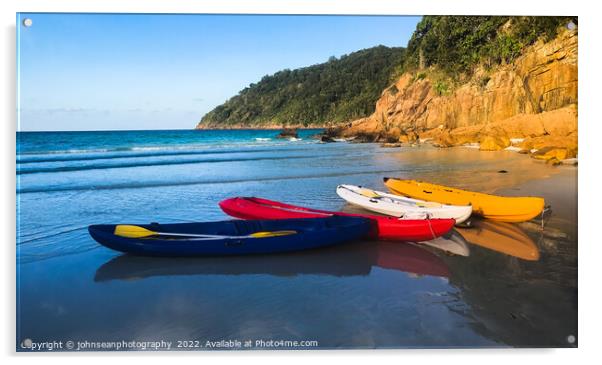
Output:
x,y
517,287
524,303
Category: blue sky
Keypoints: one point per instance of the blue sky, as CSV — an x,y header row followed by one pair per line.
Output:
x,y
109,72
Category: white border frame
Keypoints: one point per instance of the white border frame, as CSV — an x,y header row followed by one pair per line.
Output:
x,y
589,123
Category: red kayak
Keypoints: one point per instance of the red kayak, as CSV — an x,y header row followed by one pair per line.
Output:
x,y
385,228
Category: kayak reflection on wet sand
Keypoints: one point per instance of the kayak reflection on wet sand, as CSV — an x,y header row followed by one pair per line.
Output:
x,y
452,242
498,281
519,292
355,259
505,238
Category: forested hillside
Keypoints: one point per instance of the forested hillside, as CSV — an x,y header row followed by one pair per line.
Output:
x,y
334,91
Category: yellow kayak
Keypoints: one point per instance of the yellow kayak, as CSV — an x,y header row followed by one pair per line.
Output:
x,y
499,208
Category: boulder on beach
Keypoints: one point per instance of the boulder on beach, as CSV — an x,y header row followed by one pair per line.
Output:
x,y
569,142
288,133
554,154
494,143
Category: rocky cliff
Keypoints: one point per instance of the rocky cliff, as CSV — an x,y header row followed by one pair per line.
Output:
x,y
529,104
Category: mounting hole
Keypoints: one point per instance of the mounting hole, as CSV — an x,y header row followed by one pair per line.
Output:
x,y
570,339
26,343
571,26
27,22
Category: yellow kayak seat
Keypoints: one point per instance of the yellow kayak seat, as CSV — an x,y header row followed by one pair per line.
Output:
x,y
369,193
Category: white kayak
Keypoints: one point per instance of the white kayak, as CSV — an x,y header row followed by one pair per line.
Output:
x,y
400,206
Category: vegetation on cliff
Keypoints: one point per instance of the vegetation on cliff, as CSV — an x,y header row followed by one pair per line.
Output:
x,y
456,44
338,90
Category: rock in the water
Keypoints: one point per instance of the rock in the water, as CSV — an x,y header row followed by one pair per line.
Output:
x,y
288,133
327,139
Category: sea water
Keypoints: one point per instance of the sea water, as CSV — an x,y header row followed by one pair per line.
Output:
x,y
357,295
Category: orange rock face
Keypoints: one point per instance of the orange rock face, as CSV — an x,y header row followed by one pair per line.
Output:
x,y
534,97
494,143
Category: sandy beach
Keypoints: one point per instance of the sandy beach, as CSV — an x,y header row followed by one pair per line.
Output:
x,y
517,286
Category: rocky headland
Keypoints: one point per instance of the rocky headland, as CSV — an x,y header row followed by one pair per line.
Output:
x,y
529,105
487,82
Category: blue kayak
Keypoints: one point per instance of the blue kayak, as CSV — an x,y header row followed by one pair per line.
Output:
x,y
233,237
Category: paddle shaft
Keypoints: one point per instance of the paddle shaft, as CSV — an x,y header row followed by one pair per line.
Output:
x,y
132,231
